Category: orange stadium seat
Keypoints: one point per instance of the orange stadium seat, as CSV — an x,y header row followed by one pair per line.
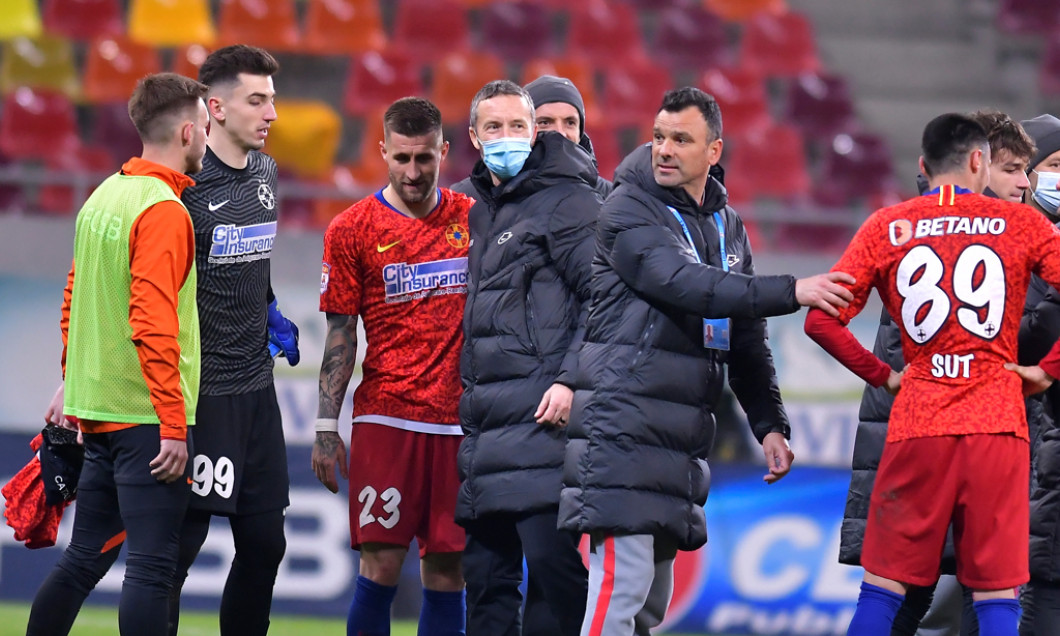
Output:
x,y
19,19
573,69
779,45
741,93
606,34
517,30
378,78
38,124
820,104
270,24
633,92
690,38
777,145
171,22
1037,17
44,62
188,59
429,29
83,19
740,10
457,77
113,66
334,27
305,137
369,171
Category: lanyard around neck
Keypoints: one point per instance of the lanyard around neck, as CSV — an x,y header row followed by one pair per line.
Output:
x,y
688,235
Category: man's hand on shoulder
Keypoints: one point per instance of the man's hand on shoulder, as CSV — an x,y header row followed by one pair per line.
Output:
x,y
778,456
824,292
329,450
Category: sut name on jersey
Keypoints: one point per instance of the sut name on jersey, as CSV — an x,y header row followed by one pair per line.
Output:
x,y
239,244
404,282
902,230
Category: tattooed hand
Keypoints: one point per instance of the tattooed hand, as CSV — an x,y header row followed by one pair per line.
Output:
x,y
328,450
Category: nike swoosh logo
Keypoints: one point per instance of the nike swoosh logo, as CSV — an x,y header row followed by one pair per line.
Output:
x,y
215,207
382,248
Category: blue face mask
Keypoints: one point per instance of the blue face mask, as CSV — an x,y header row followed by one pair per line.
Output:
x,y
505,157
1045,193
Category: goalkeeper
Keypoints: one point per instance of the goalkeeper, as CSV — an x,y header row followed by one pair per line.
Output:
x,y
240,466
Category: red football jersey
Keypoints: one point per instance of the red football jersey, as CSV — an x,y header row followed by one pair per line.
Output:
x,y
407,279
952,270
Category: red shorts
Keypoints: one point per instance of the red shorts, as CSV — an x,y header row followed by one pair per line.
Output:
x,y
404,485
977,482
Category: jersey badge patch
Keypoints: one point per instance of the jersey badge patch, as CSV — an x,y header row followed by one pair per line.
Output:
x,y
457,235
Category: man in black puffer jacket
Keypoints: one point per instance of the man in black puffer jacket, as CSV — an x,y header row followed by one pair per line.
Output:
x,y
532,238
669,253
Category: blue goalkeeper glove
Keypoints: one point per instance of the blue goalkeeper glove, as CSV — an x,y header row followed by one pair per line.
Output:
x,y
283,336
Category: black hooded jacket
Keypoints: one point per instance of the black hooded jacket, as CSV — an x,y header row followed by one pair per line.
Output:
x,y
529,268
642,426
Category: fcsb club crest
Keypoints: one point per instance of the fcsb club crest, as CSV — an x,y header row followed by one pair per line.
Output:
x,y
900,232
457,235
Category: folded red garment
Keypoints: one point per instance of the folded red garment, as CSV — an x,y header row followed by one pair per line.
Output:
x,y
35,522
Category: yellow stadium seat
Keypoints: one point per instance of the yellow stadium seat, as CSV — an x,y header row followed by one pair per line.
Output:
x,y
165,23
19,18
45,62
305,137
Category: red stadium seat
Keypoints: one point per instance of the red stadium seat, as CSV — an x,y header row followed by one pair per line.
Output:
x,y
690,38
378,78
113,130
820,104
46,62
83,19
740,10
188,59
334,27
113,67
369,171
779,45
856,167
517,30
457,77
606,147
606,34
632,93
1029,17
171,22
429,29
270,24
741,93
1049,72
758,152
38,124
88,164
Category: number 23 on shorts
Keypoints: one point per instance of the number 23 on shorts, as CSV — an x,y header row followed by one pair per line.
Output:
x,y
390,498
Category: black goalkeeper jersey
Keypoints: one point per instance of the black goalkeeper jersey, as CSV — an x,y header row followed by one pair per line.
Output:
x,y
234,215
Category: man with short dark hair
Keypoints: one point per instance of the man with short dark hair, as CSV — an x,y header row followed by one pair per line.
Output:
x,y
398,259
674,298
532,230
131,365
240,464
953,267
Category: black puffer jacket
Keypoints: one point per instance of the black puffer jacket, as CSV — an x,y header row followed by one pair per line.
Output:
x,y
1038,330
642,424
529,265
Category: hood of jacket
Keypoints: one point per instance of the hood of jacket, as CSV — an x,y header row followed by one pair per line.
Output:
x,y
554,159
636,170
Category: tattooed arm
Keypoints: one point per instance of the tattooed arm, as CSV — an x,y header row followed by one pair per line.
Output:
x,y
340,357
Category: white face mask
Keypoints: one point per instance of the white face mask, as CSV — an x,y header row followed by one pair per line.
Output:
x,y
1045,193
